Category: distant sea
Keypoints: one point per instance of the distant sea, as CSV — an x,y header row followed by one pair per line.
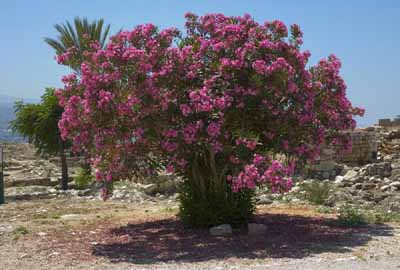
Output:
x,y
6,115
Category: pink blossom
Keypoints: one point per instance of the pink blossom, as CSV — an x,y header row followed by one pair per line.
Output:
x,y
185,109
236,87
214,129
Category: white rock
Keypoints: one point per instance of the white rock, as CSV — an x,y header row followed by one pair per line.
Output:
x,y
221,230
294,200
350,175
276,196
395,184
385,187
339,179
71,217
387,181
264,199
5,229
372,179
295,189
150,188
24,255
54,254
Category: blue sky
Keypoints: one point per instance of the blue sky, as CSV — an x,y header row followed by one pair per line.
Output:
x,y
364,34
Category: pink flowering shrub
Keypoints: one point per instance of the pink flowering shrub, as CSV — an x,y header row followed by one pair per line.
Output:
x,y
231,102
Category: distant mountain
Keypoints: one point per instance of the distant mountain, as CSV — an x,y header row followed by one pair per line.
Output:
x,y
6,99
6,115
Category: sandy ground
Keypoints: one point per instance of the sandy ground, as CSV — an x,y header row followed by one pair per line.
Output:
x,y
79,234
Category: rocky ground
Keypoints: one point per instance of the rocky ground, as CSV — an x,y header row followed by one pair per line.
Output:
x,y
29,176
23,167
42,227
373,186
77,233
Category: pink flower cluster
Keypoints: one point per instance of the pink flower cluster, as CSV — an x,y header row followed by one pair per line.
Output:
x,y
232,85
262,170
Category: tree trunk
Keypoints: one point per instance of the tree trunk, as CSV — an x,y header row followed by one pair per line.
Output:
x,y
64,168
206,198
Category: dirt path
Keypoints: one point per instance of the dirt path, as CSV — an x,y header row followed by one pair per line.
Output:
x,y
79,234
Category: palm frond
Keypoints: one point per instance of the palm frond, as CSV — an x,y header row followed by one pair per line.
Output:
x,y
56,45
72,35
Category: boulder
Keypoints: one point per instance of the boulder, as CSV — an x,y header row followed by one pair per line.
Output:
x,y
395,184
339,179
168,186
350,175
221,230
386,181
149,189
264,199
385,188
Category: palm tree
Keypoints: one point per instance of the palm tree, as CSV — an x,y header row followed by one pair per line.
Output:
x,y
78,37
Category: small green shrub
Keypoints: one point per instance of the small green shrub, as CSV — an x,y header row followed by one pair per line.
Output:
x,y
316,192
215,208
374,217
54,216
83,178
324,209
351,216
19,231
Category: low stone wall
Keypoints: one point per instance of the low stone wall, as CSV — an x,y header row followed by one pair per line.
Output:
x,y
364,150
329,164
325,166
387,122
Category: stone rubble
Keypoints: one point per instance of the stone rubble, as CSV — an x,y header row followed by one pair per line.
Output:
x,y
373,186
30,176
24,167
369,177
